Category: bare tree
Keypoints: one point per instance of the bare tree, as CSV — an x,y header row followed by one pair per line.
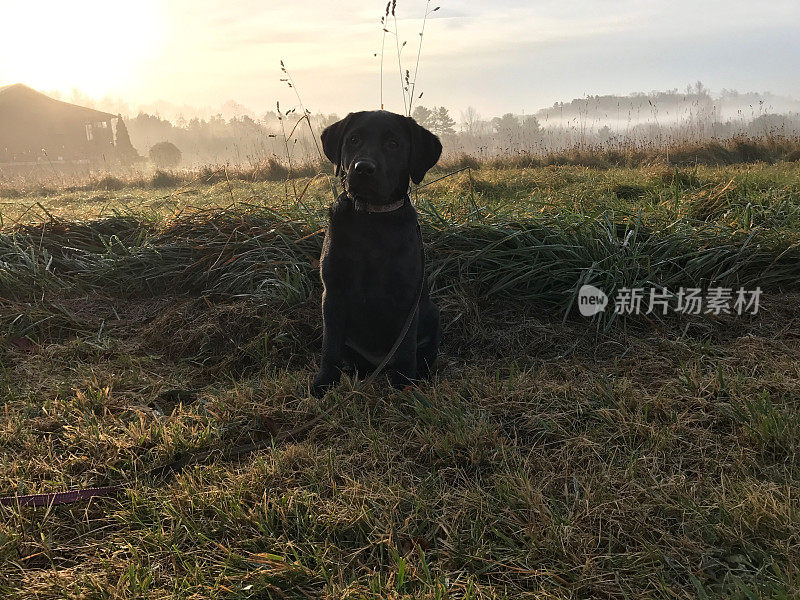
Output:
x,y
470,120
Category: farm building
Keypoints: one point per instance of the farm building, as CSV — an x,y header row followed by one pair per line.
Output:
x,y
35,128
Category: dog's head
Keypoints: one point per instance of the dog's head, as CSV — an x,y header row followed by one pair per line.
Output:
x,y
376,152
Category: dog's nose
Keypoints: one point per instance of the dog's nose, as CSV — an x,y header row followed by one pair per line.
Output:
x,y
364,167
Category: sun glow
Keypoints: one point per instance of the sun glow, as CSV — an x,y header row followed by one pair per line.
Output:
x,y
98,46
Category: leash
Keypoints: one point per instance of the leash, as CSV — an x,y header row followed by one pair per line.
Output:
x,y
376,208
410,319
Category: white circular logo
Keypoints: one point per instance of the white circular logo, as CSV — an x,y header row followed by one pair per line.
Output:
x,y
591,300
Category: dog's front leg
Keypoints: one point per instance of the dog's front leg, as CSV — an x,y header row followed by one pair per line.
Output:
x,y
405,359
334,319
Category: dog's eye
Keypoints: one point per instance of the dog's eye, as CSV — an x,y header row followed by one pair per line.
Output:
x,y
392,144
354,139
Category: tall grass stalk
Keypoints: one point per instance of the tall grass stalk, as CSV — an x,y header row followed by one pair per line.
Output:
x,y
399,63
281,118
384,31
307,118
419,53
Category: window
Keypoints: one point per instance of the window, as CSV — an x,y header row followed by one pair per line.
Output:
x,y
89,132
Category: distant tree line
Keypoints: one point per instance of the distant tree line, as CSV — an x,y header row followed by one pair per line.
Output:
x,y
245,140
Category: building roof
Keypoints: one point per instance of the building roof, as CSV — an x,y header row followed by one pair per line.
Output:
x,y
23,97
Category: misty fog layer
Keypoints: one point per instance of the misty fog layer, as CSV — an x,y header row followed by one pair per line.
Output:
x,y
236,135
658,119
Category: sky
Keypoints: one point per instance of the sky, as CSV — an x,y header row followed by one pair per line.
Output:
x,y
495,55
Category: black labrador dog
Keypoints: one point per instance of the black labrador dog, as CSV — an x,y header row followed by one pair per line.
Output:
x,y
372,263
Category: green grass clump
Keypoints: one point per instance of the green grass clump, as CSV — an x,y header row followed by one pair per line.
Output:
x,y
492,249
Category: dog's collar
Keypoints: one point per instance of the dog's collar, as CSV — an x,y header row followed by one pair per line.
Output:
x,y
361,206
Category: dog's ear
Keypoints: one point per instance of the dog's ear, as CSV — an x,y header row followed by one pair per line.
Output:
x,y
332,138
425,151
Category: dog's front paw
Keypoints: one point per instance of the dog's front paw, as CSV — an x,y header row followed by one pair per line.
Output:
x,y
323,382
401,381
318,389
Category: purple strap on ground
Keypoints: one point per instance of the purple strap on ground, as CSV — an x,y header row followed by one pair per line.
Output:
x,y
60,497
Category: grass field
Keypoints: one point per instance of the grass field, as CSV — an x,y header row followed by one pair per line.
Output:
x,y
552,456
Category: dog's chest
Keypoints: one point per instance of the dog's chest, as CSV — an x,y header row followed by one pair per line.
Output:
x,y
375,267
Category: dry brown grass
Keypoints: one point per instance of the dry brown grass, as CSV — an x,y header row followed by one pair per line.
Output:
x,y
687,154
638,463
548,458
